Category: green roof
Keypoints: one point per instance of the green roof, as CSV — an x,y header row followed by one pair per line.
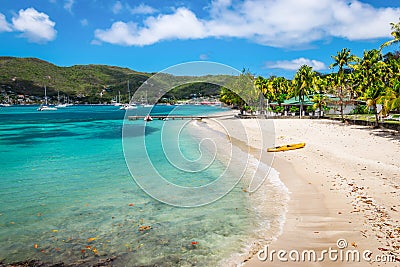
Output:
x,y
295,101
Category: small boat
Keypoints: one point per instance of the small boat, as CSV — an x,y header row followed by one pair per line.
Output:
x,y
128,107
46,108
61,105
148,118
286,147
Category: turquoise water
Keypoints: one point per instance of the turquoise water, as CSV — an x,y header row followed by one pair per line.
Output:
x,y
67,194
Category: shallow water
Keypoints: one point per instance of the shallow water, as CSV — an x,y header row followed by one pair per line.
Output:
x,y
67,194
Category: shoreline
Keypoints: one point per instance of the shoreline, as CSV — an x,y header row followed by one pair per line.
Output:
x,y
327,201
343,185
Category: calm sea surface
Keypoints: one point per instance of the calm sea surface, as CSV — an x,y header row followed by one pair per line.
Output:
x,y
66,194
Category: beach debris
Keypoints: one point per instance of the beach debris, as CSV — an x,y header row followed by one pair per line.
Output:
x,y
35,246
377,216
194,242
54,230
91,239
131,204
88,247
143,228
94,250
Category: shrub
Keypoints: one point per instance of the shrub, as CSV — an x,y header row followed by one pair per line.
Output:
x,y
294,109
360,109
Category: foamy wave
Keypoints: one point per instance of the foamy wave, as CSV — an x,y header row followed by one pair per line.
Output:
x,y
268,202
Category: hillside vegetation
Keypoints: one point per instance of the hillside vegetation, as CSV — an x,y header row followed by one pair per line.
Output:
x,y
90,83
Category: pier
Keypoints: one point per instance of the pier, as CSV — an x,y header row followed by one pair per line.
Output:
x,y
178,117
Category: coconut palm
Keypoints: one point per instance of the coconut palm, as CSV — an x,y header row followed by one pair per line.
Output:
x,y
319,103
391,99
303,84
262,84
373,73
343,59
395,33
281,89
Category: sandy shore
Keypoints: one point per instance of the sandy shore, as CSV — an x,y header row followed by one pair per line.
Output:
x,y
343,185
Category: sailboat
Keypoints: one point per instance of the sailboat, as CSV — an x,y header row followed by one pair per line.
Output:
x,y
59,105
45,107
128,105
117,102
146,104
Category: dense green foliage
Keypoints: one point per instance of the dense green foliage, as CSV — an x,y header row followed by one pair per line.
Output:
x,y
86,83
30,75
373,78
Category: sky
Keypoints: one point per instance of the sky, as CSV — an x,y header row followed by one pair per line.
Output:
x,y
265,37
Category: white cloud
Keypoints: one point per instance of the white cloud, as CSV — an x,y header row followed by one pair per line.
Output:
x,y
34,25
296,63
117,7
68,5
143,9
183,24
84,22
267,22
4,25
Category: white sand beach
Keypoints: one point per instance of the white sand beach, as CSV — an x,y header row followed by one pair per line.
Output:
x,y
343,185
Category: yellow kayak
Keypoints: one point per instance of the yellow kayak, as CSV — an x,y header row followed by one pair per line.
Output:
x,y
286,147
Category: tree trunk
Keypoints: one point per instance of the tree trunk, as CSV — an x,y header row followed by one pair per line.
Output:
x,y
376,117
341,104
301,109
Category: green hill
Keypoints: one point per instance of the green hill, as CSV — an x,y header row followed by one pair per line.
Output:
x,y
85,83
30,75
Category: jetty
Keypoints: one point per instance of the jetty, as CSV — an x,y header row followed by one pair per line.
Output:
x,y
178,117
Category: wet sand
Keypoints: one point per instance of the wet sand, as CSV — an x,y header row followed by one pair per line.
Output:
x,y
343,185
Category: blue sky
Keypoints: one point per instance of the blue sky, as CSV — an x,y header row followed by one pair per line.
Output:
x,y
267,37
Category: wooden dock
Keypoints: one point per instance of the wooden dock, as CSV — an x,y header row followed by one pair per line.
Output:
x,y
177,117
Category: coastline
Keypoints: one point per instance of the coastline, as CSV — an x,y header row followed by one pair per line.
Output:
x,y
343,185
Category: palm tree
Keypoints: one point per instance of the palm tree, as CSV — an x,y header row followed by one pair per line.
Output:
x,y
342,59
262,84
395,33
303,83
372,73
319,103
281,88
391,98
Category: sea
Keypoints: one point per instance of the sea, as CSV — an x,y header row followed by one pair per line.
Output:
x,y
73,190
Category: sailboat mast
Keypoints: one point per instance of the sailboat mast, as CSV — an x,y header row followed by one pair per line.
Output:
x,y
129,93
45,95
